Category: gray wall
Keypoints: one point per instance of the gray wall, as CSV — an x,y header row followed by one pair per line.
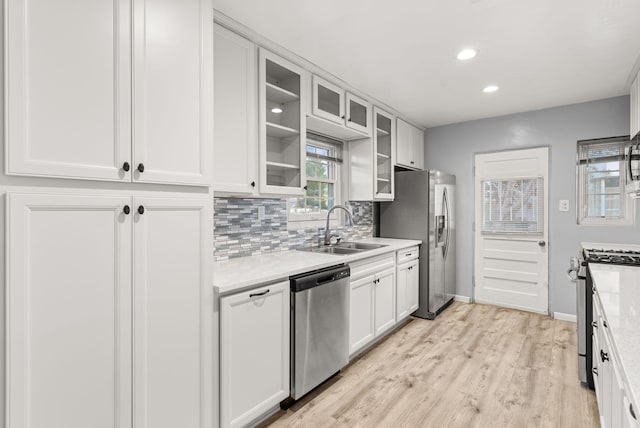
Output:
x,y
451,148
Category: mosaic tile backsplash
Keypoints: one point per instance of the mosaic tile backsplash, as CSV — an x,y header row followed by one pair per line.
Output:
x,y
239,233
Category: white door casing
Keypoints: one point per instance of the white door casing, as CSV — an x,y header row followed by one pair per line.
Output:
x,y
511,269
68,311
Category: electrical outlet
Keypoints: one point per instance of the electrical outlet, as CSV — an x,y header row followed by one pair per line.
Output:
x,y
260,213
564,205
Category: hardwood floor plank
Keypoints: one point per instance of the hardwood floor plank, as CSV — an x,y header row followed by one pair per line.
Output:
x,y
474,366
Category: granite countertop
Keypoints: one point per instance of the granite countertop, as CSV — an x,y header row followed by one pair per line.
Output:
x,y
244,272
618,288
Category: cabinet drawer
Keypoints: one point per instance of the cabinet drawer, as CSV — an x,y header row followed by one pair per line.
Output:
x,y
371,265
408,254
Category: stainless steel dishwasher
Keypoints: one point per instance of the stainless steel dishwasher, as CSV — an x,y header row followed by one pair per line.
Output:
x,y
319,328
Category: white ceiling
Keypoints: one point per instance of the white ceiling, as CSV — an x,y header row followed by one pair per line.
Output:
x,y
542,53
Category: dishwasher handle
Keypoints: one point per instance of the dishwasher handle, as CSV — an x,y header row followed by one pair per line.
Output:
x,y
319,278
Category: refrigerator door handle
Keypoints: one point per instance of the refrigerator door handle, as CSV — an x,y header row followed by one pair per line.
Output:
x,y
445,203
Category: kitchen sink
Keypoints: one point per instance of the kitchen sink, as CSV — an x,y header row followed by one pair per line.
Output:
x,y
359,245
343,248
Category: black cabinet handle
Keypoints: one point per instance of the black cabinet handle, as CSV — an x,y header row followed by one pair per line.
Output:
x,y
633,413
259,294
604,323
140,167
412,162
140,210
343,117
126,209
594,324
126,167
604,356
594,371
349,119
253,184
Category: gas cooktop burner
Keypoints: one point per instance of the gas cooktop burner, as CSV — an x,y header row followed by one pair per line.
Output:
x,y
614,257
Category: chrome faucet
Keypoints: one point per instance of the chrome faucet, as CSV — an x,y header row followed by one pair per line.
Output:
x,y
327,236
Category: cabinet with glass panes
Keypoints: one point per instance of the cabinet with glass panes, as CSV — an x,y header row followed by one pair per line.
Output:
x,y
384,134
282,126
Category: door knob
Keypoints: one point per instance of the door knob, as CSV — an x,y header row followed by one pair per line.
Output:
x,y
542,243
126,167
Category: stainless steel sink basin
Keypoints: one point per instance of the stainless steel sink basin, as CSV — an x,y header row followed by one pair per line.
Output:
x,y
332,250
344,248
359,245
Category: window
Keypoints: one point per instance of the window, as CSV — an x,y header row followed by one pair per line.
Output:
x,y
513,205
601,180
323,172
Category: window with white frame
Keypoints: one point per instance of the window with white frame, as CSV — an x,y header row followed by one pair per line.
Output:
x,y
601,182
323,181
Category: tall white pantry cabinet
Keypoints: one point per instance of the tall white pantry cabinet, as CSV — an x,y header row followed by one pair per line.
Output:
x,y
108,299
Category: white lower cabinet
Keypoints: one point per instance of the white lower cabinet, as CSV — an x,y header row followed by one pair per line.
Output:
x,y
613,403
372,300
407,282
254,352
108,323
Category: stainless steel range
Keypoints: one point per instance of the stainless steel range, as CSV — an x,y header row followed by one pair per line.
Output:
x,y
628,255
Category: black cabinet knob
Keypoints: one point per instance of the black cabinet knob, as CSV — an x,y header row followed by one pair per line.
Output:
x,y
253,184
126,209
342,117
349,119
126,167
140,167
412,162
140,210
594,371
305,187
604,356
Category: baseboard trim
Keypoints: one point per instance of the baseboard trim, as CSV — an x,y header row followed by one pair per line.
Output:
x,y
463,299
564,317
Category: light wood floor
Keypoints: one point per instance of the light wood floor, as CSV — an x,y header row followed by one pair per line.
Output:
x,y
474,366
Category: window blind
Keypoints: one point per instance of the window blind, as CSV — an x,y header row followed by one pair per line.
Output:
x,y
513,206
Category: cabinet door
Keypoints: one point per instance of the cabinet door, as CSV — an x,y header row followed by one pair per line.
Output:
x,y
402,298
384,140
361,316
172,312
328,100
235,113
254,358
173,91
617,393
68,88
404,143
385,300
413,286
417,148
282,131
634,99
358,114
68,311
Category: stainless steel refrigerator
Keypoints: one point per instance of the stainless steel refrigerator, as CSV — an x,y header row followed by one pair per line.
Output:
x,y
424,209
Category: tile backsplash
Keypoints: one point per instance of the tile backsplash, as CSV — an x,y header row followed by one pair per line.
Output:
x,y
239,233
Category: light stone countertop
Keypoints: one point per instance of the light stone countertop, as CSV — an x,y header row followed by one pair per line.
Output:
x,y
618,288
245,272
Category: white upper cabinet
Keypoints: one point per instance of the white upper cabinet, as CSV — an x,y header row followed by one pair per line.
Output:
x,y
282,126
634,100
173,91
82,80
235,114
384,135
336,112
328,100
68,93
409,146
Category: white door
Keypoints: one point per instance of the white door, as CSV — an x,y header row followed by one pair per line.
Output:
x,y
511,229
254,358
68,311
235,115
385,300
361,323
172,312
173,91
68,66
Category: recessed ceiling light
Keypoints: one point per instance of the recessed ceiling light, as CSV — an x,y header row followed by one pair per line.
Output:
x,y
490,88
466,54
276,110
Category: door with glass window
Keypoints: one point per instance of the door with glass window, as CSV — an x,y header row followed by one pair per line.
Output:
x,y
511,229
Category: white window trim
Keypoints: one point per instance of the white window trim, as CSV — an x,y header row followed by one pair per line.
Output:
x,y
629,205
301,221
